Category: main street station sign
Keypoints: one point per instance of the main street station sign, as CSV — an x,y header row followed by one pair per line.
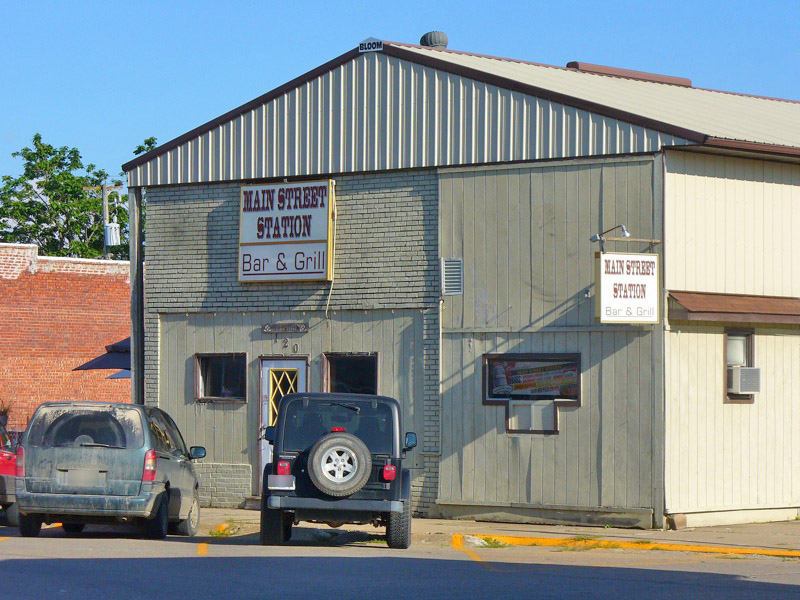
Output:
x,y
285,232
627,288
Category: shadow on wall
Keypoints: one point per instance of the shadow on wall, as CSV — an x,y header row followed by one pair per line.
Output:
x,y
601,455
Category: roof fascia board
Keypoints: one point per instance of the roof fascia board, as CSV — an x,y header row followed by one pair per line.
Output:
x,y
510,84
232,114
788,156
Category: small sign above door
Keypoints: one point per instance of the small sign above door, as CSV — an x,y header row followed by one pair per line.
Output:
x,y
285,327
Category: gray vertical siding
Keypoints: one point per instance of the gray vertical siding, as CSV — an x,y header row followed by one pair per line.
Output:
x,y
524,236
229,431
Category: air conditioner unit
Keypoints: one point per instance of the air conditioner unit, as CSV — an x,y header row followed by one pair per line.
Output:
x,y
744,380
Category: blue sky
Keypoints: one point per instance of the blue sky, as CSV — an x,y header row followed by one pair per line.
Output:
x,y
102,76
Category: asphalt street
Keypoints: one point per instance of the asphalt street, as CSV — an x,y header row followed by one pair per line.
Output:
x,y
323,563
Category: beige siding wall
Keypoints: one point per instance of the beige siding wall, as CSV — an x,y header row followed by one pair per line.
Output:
x,y
723,456
229,431
730,225
377,113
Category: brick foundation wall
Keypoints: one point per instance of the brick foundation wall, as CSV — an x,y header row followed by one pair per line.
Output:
x,y
56,314
223,485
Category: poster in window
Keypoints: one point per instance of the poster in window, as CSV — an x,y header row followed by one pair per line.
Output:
x,y
534,379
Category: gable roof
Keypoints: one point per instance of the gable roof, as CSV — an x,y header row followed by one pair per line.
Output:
x,y
708,113
623,114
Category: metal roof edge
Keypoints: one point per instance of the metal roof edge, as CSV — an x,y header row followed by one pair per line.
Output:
x,y
430,61
231,114
760,147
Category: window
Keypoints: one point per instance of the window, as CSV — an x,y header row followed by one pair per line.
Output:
x,y
740,381
532,387
352,373
220,377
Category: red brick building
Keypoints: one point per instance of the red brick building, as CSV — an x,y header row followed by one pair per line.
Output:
x,y
56,314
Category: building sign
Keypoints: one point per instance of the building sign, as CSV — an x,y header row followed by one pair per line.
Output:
x,y
370,45
285,327
285,232
627,288
539,379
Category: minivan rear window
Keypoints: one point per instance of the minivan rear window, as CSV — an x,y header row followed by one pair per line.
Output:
x,y
86,426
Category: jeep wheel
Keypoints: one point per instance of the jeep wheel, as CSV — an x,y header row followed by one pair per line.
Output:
x,y
398,529
273,529
339,464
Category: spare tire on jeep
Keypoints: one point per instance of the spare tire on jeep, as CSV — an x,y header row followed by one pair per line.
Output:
x,y
339,464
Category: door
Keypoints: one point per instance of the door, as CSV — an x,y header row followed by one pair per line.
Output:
x,y
278,378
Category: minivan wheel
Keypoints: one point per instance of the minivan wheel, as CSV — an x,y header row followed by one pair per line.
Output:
x,y
73,528
189,525
157,527
398,529
29,525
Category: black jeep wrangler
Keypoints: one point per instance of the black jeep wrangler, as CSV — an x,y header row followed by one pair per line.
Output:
x,y
337,458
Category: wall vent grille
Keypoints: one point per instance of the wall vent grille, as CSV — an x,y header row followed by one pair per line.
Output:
x,y
452,270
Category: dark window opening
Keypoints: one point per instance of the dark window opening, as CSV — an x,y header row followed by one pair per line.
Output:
x,y
220,377
353,373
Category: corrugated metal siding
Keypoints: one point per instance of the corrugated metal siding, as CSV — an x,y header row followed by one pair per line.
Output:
x,y
524,236
378,113
731,456
730,225
229,431
717,114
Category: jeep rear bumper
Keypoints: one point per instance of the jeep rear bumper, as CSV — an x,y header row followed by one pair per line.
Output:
x,y
377,506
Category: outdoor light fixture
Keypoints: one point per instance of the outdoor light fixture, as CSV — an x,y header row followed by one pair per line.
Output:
x,y
600,237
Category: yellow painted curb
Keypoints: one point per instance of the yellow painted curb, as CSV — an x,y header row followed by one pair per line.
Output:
x,y
458,544
627,545
202,549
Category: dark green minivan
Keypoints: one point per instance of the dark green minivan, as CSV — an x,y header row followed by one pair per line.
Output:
x,y
91,462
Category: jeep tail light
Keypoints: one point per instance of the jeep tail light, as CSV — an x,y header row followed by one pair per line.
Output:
x,y
284,468
20,470
338,429
389,472
150,466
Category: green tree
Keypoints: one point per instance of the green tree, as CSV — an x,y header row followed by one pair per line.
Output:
x,y
49,205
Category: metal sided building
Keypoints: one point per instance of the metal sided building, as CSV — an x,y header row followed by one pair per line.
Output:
x,y
579,282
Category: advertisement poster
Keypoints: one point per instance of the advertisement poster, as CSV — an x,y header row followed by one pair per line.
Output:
x,y
285,232
534,379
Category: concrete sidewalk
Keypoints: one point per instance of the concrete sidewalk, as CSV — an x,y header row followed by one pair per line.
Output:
x,y
760,538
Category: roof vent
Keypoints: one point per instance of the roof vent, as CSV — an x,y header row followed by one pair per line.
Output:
x,y
603,70
434,39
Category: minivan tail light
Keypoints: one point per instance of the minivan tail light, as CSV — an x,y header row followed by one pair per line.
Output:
x,y
284,468
389,472
150,466
20,470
